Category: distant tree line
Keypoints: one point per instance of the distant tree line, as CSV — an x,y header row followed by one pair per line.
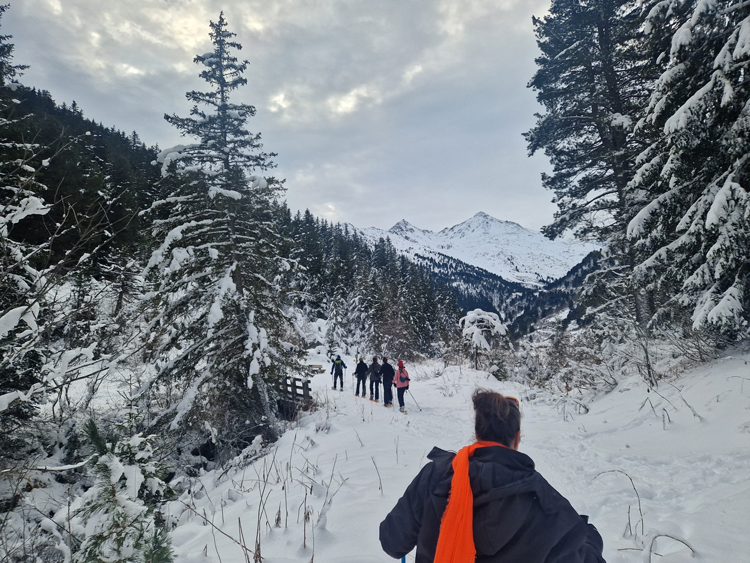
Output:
x,y
374,299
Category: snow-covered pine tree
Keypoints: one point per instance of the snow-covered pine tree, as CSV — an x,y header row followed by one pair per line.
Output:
x,y
23,285
360,304
447,334
694,230
592,81
118,519
337,334
34,260
423,310
481,330
402,319
8,71
219,297
309,253
19,281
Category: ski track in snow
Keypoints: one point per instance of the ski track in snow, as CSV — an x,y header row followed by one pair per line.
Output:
x,y
691,476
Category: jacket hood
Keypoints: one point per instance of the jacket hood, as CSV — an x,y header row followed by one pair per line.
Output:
x,y
505,486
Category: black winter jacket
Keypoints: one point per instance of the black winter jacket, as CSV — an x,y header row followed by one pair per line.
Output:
x,y
518,516
361,370
388,373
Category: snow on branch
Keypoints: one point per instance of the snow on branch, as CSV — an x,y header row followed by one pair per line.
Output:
x,y
28,206
157,257
10,320
167,156
477,325
9,398
691,108
258,182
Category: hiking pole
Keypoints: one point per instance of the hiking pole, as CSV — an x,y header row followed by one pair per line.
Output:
x,y
413,399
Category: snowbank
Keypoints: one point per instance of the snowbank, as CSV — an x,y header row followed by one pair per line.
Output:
x,y
642,464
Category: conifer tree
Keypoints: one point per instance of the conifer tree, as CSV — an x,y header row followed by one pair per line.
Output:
x,y
219,274
23,285
480,330
118,519
8,71
593,81
693,231
34,360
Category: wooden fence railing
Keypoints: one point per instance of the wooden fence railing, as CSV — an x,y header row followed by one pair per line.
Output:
x,y
294,396
295,389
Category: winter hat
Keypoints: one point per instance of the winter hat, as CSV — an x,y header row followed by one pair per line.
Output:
x,y
400,363
338,357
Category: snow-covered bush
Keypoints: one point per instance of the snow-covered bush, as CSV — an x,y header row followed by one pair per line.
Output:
x,y
118,518
481,331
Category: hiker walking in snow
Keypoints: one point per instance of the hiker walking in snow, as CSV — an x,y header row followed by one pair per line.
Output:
x,y
337,370
487,503
387,373
402,384
361,372
374,372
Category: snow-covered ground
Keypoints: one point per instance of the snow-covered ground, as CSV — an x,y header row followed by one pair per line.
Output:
x,y
685,446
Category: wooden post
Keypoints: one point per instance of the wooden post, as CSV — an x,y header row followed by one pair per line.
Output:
x,y
306,389
294,388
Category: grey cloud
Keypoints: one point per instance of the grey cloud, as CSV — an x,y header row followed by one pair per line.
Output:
x,y
390,109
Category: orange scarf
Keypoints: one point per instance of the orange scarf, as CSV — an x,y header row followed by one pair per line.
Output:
x,y
456,539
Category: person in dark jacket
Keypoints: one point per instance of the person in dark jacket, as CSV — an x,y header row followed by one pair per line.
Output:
x,y
517,515
337,370
387,373
361,372
374,372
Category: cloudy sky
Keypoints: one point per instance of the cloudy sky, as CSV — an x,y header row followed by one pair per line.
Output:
x,y
378,110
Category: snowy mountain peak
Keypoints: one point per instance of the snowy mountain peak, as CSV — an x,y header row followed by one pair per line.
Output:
x,y
487,224
501,247
403,227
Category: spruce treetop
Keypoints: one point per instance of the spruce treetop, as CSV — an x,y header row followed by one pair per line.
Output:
x,y
8,71
224,142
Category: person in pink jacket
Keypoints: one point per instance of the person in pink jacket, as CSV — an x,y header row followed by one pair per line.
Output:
x,y
401,381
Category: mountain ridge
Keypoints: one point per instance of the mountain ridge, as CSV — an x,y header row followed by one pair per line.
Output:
x,y
503,248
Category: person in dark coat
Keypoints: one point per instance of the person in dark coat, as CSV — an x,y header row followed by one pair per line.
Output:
x,y
361,372
374,372
517,515
337,371
387,373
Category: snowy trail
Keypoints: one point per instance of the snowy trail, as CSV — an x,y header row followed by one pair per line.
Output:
x,y
690,470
